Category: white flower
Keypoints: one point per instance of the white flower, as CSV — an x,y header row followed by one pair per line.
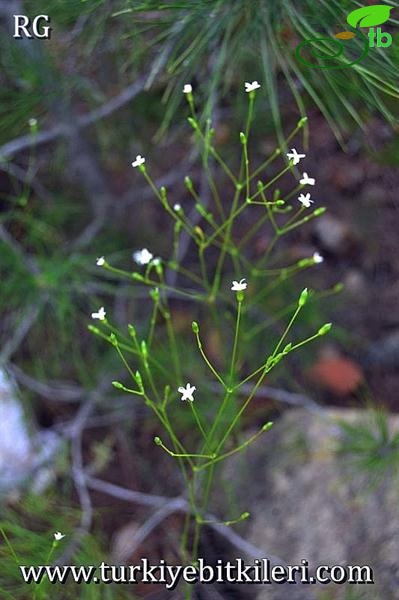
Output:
x,y
251,87
100,261
305,200
58,536
187,392
140,160
32,122
318,258
239,286
188,88
142,257
176,207
294,156
100,314
306,180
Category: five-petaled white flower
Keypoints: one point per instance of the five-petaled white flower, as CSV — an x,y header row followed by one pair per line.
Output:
x,y
100,314
305,200
187,392
306,180
58,536
318,258
239,286
295,156
140,160
251,87
188,88
143,257
100,261
176,207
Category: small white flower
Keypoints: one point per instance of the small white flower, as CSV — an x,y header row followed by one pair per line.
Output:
x,y
239,286
318,258
306,180
143,257
251,87
140,160
305,200
188,88
187,392
32,122
100,314
100,262
295,157
176,207
58,536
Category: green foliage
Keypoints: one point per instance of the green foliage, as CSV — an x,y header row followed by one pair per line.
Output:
x,y
27,538
370,445
211,42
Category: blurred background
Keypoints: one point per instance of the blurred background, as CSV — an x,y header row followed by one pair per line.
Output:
x,y
75,110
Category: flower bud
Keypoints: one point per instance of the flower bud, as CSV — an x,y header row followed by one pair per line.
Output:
x,y
303,297
319,211
193,123
324,329
139,380
188,183
267,426
302,121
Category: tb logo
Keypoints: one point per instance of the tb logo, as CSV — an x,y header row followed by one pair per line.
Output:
x,y
24,27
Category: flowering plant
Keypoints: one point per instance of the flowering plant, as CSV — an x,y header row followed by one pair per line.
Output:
x,y
215,286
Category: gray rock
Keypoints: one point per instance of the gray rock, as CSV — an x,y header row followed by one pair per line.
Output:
x,y
26,454
309,502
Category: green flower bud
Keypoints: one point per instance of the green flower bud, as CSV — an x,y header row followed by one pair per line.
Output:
x,y
113,340
267,426
118,385
137,276
302,121
154,293
319,211
243,138
324,329
303,297
139,380
158,441
93,329
132,330
193,123
195,327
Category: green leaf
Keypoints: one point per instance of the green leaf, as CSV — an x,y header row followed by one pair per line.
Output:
x,y
368,16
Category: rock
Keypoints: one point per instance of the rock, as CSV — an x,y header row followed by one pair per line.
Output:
x,y
309,502
384,352
24,455
334,235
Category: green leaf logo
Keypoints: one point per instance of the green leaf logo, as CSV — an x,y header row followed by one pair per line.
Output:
x,y
369,16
